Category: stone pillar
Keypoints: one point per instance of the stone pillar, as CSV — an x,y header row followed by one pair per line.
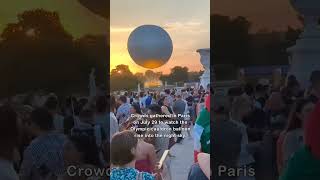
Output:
x,y
205,61
305,55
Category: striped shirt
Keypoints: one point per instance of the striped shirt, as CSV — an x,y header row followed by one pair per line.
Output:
x,y
43,157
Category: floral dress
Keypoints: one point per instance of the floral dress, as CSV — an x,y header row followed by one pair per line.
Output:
x,y
129,174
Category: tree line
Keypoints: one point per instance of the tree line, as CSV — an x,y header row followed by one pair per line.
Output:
x,y
235,45
121,77
36,52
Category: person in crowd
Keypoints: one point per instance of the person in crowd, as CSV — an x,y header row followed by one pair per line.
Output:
x,y
68,124
305,163
88,127
162,142
83,101
72,107
43,157
277,111
186,114
124,150
126,94
146,157
179,108
114,126
315,86
200,170
164,102
123,112
170,98
52,105
102,116
23,116
226,144
291,92
249,90
80,152
202,130
148,100
167,110
196,96
191,106
9,137
135,112
260,96
142,100
291,139
241,107
232,93
136,99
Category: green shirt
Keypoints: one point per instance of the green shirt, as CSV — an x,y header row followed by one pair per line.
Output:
x,y
204,121
302,166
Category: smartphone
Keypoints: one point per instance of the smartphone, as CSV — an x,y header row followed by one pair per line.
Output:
x,y
163,158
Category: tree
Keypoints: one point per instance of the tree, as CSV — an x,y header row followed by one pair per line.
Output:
x,y
99,7
37,53
140,77
231,40
121,78
177,74
96,50
194,76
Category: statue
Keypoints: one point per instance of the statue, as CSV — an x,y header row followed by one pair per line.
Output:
x,y
304,56
92,83
205,61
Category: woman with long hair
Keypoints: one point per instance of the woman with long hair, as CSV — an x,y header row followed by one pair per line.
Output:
x,y
291,139
135,112
305,163
124,152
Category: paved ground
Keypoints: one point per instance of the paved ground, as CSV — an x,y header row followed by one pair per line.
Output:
x,y
181,163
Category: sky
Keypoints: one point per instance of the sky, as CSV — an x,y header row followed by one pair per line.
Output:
x,y
264,14
76,19
186,21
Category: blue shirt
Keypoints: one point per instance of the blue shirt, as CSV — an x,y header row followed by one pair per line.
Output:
x,y
123,112
43,157
129,174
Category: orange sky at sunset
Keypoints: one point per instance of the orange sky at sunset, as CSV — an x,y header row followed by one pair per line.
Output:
x,y
188,24
263,14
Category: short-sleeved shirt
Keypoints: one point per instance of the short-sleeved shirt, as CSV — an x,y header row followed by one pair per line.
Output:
x,y
43,157
123,112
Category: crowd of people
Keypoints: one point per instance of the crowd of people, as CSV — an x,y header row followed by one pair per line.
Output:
x,y
145,143
49,137
43,138
265,132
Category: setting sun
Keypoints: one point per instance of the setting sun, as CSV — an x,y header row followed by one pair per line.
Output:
x,y
187,34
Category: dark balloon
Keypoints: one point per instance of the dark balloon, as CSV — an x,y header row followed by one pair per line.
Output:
x,y
150,46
